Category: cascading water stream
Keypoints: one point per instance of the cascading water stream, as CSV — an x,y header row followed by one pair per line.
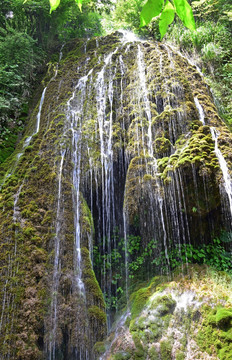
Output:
x,y
76,137
74,116
147,109
55,281
37,125
200,110
223,165
8,304
221,159
105,135
60,58
144,98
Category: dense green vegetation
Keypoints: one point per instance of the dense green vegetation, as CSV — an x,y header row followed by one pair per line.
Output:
x,y
210,45
29,36
145,260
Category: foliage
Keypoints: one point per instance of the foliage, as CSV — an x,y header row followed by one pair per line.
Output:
x,y
213,254
167,12
29,36
18,58
211,43
127,14
141,259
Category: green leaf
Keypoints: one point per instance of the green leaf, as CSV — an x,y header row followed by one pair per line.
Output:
x,y
151,9
184,11
54,4
166,18
79,4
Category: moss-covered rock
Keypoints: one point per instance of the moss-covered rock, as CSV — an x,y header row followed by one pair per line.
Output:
x,y
186,310
119,152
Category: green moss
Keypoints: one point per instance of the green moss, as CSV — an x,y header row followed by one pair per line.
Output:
x,y
99,348
180,355
224,318
29,231
139,299
96,314
166,350
139,353
164,304
226,352
215,334
89,278
153,353
122,355
162,145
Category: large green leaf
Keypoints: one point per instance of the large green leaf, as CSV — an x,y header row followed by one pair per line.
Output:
x,y
151,9
184,11
79,3
166,18
54,4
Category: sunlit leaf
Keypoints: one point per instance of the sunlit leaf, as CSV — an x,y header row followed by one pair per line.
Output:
x,y
166,18
184,11
54,4
151,9
79,3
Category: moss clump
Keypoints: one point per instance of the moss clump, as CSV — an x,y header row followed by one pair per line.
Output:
x,y
122,355
162,146
166,350
99,348
153,353
180,355
139,352
139,299
96,314
215,333
89,278
223,318
163,304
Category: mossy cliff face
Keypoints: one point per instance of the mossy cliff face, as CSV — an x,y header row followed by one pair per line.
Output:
x,y
120,145
186,318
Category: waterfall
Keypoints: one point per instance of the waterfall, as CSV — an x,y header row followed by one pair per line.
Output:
x,y
121,181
